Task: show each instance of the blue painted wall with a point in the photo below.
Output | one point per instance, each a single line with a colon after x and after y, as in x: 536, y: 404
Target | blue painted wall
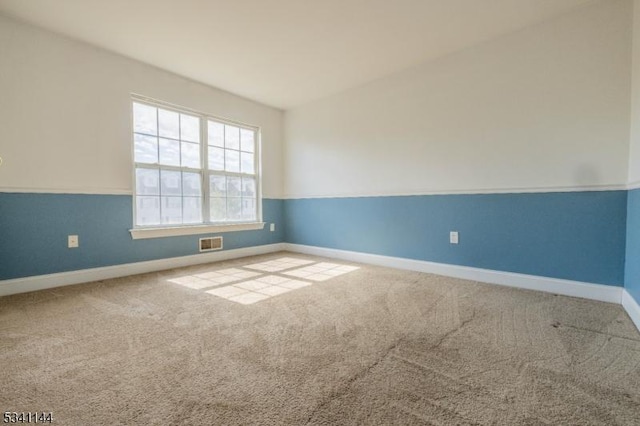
x: 574, y: 235
x: 34, y: 229
x: 632, y: 264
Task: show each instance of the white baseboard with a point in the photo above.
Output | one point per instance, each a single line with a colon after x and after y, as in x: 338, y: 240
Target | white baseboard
x: 632, y: 308
x: 604, y: 293
x: 41, y: 282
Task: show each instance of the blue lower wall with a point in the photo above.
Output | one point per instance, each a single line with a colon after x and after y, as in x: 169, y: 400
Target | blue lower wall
x: 34, y: 229
x: 572, y: 235
x: 632, y: 264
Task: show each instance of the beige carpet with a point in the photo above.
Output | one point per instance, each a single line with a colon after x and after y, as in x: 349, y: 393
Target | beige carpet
x: 366, y: 346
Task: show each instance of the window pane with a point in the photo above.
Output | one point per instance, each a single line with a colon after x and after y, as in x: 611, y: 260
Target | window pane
x: 215, y: 133
x: 189, y: 128
x: 170, y: 183
x: 147, y: 182
x: 233, y: 186
x: 232, y: 160
x: 147, y: 210
x: 234, y: 208
x: 146, y: 149
x: 248, y: 209
x: 217, y: 186
x: 216, y: 158
x: 246, y: 140
x: 169, y: 159
x: 231, y: 137
x: 218, y: 209
x: 171, y: 210
x: 145, y: 119
x: 191, y: 155
x: 247, y: 162
x: 191, y: 184
x: 169, y: 152
x: 192, y: 209
x: 169, y: 124
x: 248, y: 187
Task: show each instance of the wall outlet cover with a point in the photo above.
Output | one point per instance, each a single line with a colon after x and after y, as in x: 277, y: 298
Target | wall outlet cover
x: 72, y: 241
x: 453, y: 237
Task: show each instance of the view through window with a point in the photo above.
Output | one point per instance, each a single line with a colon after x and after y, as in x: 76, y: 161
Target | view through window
x: 193, y: 169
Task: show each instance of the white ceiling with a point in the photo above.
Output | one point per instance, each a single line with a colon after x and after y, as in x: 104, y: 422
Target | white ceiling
x: 285, y: 52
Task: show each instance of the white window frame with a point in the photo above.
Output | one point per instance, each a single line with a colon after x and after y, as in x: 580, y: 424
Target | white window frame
x: 157, y: 231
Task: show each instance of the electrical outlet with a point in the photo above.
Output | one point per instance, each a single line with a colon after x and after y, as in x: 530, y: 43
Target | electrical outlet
x: 453, y: 237
x: 272, y: 227
x: 72, y: 241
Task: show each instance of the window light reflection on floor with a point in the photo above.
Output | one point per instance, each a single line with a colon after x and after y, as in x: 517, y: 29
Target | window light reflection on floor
x: 279, y: 264
x: 248, y: 287
x: 321, y: 271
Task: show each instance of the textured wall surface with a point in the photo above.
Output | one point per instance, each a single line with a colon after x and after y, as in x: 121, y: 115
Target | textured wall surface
x: 632, y: 264
x: 577, y: 236
x: 34, y: 229
x: 541, y: 109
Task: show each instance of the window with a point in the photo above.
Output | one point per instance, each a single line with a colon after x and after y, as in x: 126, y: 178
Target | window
x: 192, y: 169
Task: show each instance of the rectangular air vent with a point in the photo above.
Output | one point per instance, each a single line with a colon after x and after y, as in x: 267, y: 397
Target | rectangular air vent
x: 210, y: 243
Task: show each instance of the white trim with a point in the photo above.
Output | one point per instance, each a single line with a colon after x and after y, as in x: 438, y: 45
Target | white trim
x: 604, y: 293
x: 175, y: 231
x: 41, y: 282
x: 515, y: 190
x: 89, y: 191
x: 632, y: 308
x: 633, y: 185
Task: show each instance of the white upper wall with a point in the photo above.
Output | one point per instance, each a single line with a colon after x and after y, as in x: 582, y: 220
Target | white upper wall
x: 65, y: 114
x: 283, y: 52
x: 541, y: 109
x: 634, y: 149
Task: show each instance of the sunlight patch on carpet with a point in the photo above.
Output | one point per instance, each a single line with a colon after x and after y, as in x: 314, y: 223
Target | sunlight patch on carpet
x: 279, y: 264
x: 248, y: 287
x: 321, y: 271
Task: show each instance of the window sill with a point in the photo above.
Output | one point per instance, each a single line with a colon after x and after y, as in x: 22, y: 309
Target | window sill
x: 143, y: 233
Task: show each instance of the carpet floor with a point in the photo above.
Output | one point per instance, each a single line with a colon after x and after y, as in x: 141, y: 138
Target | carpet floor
x: 288, y: 339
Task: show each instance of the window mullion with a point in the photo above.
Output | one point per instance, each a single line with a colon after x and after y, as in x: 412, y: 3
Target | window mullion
x: 204, y: 152
x: 179, y: 162
x: 256, y: 181
x: 238, y: 174
x: 163, y: 167
x: 159, y: 169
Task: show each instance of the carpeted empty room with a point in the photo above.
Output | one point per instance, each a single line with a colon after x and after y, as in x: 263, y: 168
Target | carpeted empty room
x: 339, y: 212
x: 373, y: 345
